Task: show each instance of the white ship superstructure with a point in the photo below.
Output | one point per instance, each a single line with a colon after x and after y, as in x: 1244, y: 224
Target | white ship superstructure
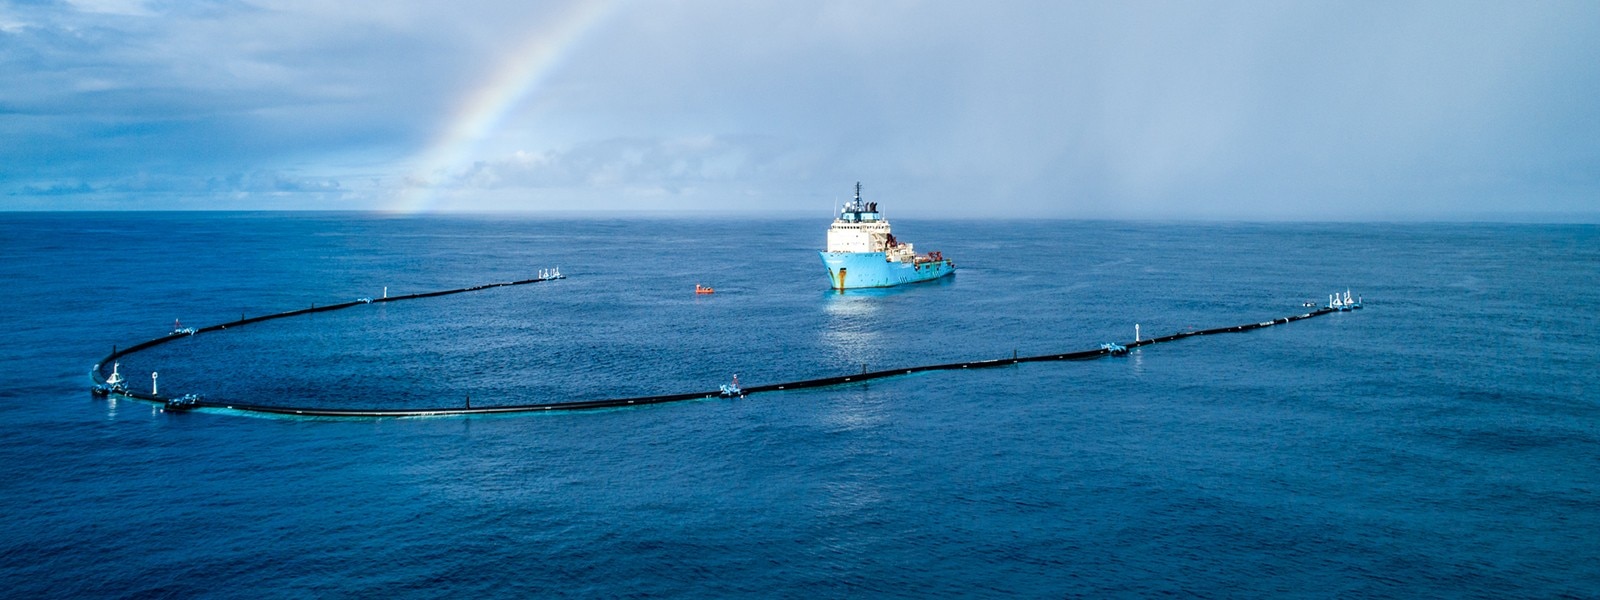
x: 861, y: 228
x: 862, y: 252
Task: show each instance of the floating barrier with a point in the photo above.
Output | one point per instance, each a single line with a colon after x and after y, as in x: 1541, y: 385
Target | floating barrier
x: 114, y: 385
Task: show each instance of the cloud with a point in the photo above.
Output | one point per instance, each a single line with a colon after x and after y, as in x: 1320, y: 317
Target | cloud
x: 112, y: 7
x: 654, y: 162
x: 1142, y: 109
x: 242, y: 190
x: 246, y: 83
x: 734, y: 172
x: 56, y: 189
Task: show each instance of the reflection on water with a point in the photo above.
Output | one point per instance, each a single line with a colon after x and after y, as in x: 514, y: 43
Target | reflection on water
x: 856, y: 319
x: 853, y: 335
x: 849, y: 331
x: 852, y: 303
x: 855, y: 411
x: 849, y: 499
x: 855, y: 422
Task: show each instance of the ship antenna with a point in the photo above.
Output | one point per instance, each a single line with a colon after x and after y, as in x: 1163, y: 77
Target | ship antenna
x: 858, y: 191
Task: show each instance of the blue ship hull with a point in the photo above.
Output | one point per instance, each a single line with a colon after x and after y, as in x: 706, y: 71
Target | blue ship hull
x: 856, y: 270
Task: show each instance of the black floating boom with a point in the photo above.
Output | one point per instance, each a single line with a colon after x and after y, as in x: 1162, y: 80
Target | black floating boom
x: 99, y: 375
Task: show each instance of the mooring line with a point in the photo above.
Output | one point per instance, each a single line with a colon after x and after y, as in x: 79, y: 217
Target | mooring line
x: 104, y: 386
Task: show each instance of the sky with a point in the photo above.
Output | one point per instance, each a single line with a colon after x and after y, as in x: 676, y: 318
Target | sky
x: 1265, y: 110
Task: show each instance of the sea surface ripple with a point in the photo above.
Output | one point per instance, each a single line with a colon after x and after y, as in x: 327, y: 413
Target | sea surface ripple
x: 1441, y: 443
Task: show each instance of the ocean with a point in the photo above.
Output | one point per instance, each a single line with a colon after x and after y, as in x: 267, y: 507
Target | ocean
x: 1442, y: 442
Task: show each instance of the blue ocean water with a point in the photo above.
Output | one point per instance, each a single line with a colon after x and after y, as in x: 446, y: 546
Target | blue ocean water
x: 1443, y: 442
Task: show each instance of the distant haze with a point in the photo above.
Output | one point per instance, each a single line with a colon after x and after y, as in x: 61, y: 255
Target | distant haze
x: 1152, y: 110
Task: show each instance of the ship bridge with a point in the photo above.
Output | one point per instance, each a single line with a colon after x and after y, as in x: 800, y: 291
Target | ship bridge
x: 861, y: 228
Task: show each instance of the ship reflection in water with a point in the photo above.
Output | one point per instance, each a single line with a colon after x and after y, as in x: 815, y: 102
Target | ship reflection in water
x: 849, y: 332
x: 855, y: 342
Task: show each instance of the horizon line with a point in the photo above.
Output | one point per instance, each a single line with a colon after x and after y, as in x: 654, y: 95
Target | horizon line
x: 1507, y: 218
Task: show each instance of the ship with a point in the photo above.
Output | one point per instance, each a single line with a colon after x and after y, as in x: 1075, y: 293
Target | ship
x: 862, y: 253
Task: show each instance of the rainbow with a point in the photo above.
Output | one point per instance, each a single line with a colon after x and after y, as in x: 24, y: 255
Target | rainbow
x: 484, y: 108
